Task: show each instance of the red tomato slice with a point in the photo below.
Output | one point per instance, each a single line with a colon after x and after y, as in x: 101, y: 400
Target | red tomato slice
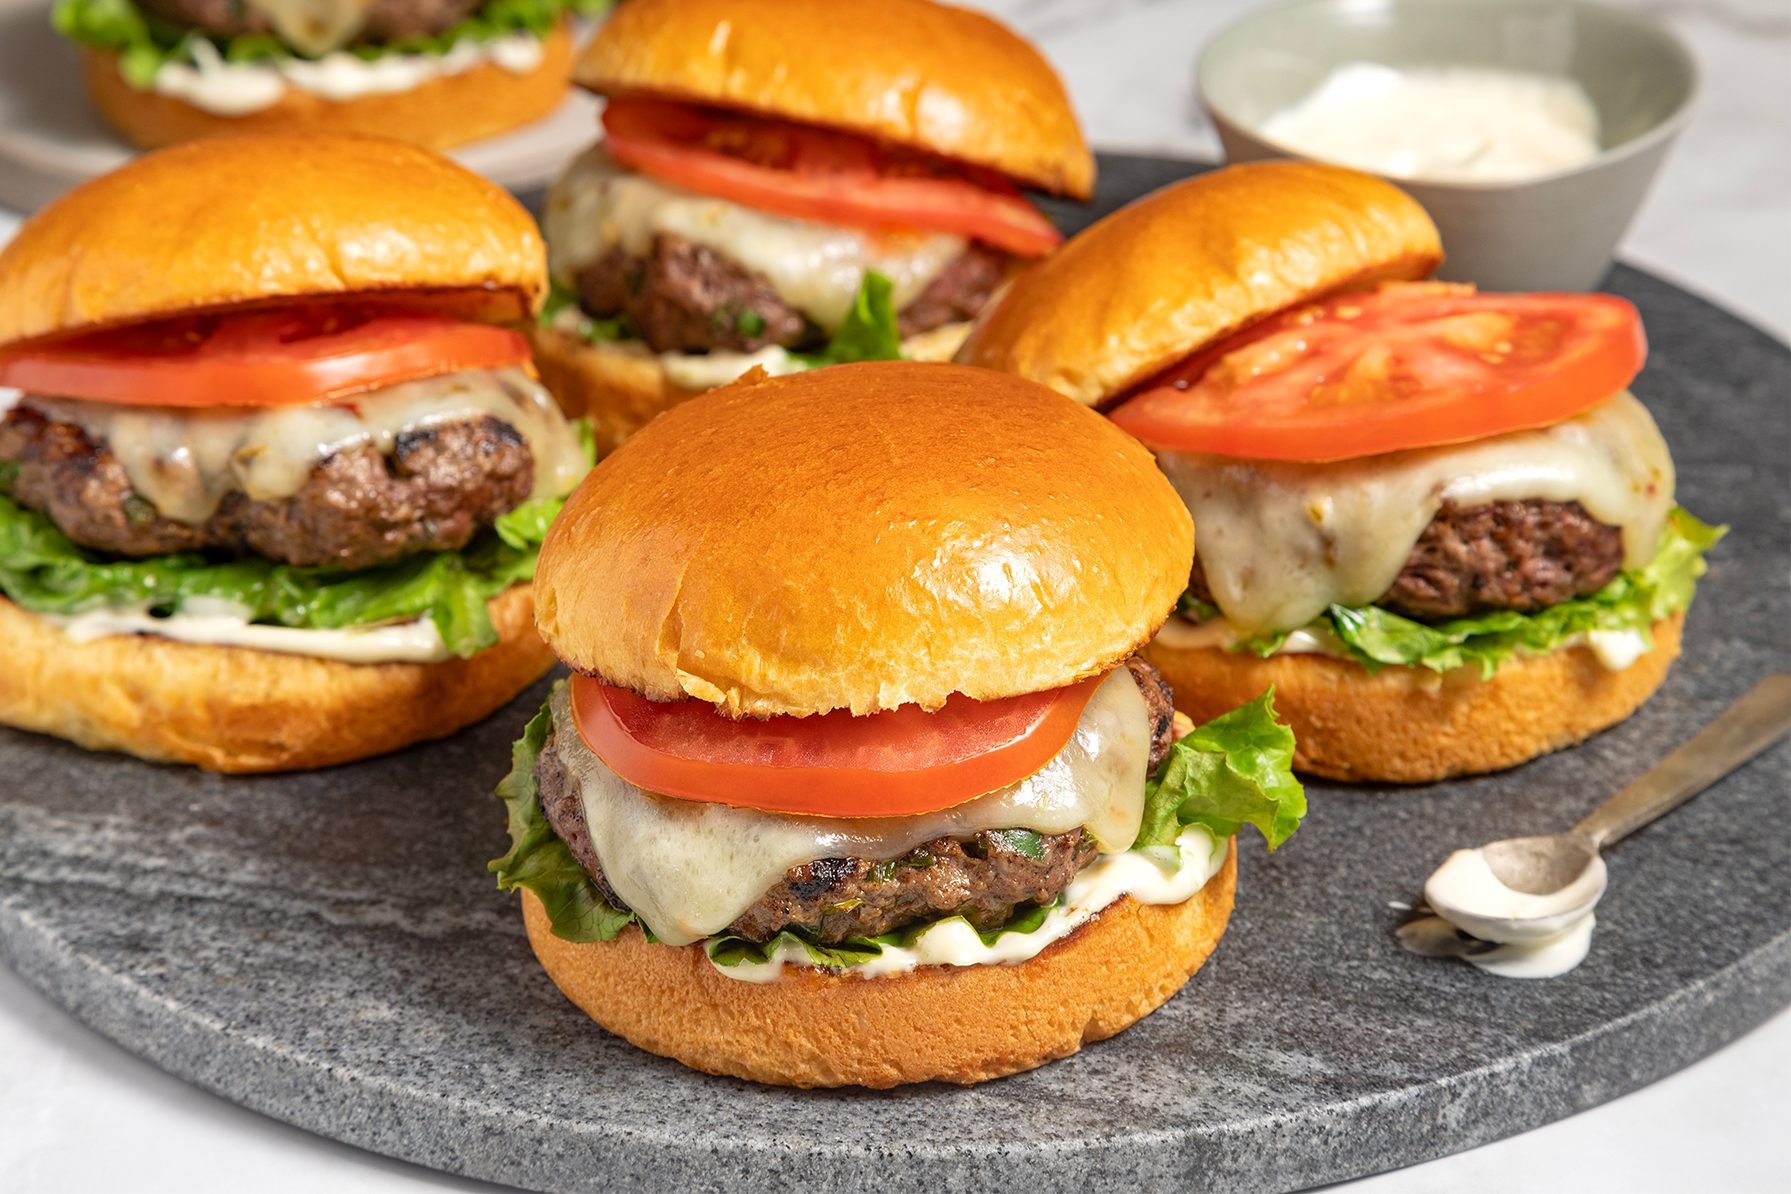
x: 888, y: 764
x: 819, y: 174
x: 305, y: 353
x: 1406, y: 366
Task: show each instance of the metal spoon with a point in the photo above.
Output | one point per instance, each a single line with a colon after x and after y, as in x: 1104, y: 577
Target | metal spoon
x: 1554, y: 881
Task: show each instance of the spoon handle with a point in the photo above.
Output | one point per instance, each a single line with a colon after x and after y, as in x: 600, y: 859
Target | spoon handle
x: 1742, y: 731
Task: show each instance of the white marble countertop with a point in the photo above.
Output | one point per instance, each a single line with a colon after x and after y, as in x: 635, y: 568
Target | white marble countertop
x: 78, y: 1113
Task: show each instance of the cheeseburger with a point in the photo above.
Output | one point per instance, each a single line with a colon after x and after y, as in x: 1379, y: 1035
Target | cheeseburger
x: 859, y: 779
x: 1435, y: 521
x: 434, y: 72
x: 273, y: 469
x: 788, y: 183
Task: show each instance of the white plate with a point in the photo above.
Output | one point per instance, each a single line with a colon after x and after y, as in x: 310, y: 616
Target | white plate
x: 51, y: 140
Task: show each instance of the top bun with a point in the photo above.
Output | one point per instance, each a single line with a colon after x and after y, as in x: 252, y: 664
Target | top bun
x: 862, y: 537
x: 244, y: 219
x: 909, y: 72
x: 1193, y: 262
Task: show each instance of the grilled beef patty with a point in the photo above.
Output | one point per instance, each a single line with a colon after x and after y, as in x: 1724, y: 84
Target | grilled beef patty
x: 985, y: 877
x: 439, y: 486
x: 1502, y: 555
x: 387, y: 20
x: 685, y: 297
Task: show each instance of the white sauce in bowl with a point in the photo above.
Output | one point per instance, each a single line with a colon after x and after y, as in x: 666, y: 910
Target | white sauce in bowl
x: 1442, y: 124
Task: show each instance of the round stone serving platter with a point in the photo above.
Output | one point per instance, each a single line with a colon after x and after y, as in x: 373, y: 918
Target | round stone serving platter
x: 329, y: 949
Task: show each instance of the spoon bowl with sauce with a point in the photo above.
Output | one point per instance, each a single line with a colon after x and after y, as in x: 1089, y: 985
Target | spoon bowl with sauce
x: 1525, y: 903
x: 1530, y: 130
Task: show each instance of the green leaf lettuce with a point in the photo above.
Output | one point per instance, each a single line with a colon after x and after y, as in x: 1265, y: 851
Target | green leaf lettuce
x: 44, y: 571
x: 1235, y: 770
x: 145, y: 42
x: 539, y: 861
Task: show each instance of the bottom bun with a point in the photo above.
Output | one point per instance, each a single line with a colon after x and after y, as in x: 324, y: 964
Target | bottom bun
x: 959, y: 1024
x: 236, y: 709
x: 438, y: 113
x: 620, y: 387
x: 1412, y: 725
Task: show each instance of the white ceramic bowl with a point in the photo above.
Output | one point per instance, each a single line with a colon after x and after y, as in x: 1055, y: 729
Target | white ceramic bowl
x: 1555, y: 232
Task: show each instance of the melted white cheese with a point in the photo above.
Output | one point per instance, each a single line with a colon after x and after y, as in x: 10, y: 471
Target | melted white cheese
x: 239, y: 88
x: 313, y: 26
x: 597, y: 205
x: 1099, y: 886
x: 226, y: 625
x: 184, y: 460
x: 706, y: 370
x: 688, y: 869
x: 1280, y: 541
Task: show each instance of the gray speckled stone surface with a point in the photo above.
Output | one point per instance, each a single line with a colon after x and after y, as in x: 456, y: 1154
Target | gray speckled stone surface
x: 329, y: 950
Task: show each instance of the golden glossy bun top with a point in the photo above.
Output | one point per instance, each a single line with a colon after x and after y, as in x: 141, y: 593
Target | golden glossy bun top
x: 910, y: 72
x: 862, y: 537
x: 1193, y: 262
x: 254, y: 218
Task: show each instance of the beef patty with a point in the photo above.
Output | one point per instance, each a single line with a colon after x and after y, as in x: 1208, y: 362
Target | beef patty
x: 984, y: 878
x: 387, y: 20
x: 438, y: 487
x: 685, y: 297
x: 1522, y: 556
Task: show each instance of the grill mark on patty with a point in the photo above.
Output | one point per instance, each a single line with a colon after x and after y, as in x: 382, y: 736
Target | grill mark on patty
x: 685, y: 297
x: 1522, y: 556
x: 440, y: 486
x: 980, y: 877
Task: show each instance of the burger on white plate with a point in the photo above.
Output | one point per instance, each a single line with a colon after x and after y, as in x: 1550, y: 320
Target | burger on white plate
x: 435, y: 72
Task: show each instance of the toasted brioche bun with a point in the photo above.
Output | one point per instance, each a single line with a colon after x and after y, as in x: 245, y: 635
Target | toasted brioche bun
x: 1197, y: 260
x: 266, y: 219
x: 909, y: 72
x: 1413, y: 725
x: 235, y: 709
x: 862, y: 537
x: 619, y: 387
x: 959, y: 1024
x: 439, y: 113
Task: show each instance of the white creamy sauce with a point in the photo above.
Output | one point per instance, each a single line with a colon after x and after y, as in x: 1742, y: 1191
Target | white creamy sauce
x: 688, y: 868
x: 226, y: 625
x: 184, y: 460
x: 1614, y: 649
x: 1099, y: 886
x: 1280, y: 541
x: 1184, y: 635
x: 597, y: 206
x: 239, y: 88
x: 1617, y: 649
x: 1532, y: 935
x: 1450, y: 124
x: 707, y: 370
